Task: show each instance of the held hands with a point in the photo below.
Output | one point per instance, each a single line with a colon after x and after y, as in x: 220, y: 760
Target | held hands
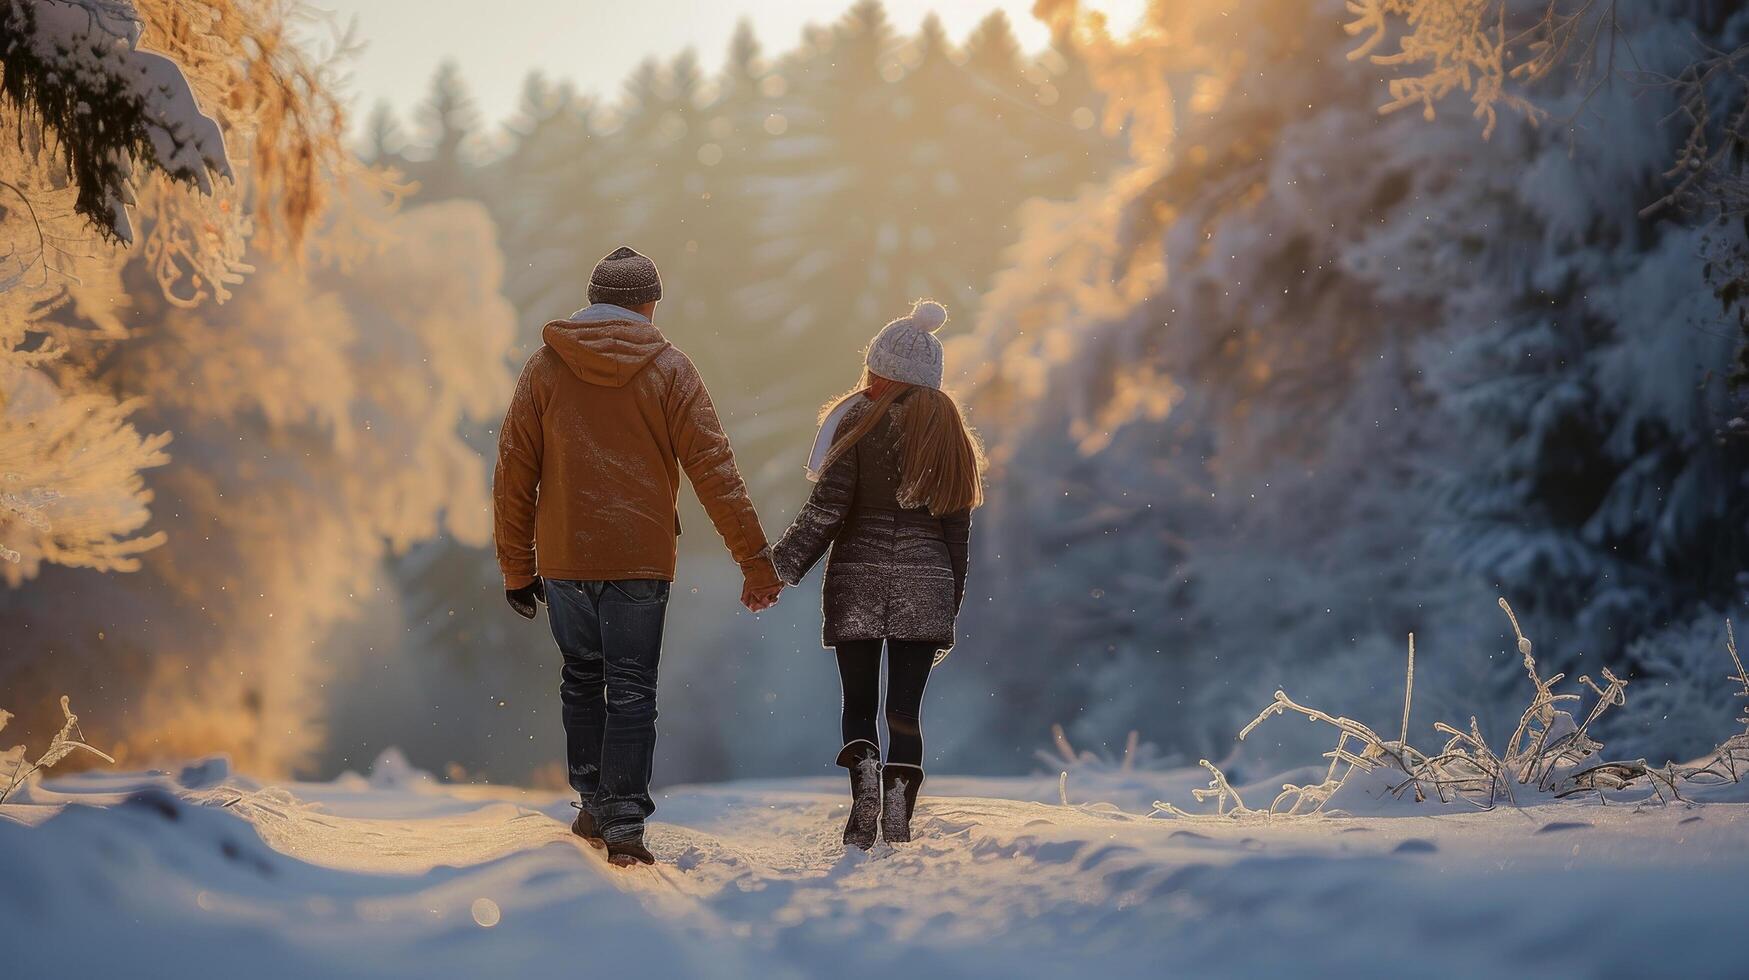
x: 760, y: 584
x: 759, y: 599
x: 523, y: 600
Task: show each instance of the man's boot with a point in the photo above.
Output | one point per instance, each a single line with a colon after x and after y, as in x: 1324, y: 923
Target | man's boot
x: 625, y: 853
x: 863, y: 759
x: 584, y: 827
x: 899, y: 785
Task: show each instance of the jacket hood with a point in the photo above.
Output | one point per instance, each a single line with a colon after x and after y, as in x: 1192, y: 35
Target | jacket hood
x: 605, y: 344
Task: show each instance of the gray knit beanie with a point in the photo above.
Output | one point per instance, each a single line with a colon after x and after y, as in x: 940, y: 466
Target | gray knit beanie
x: 625, y: 278
x: 906, y: 349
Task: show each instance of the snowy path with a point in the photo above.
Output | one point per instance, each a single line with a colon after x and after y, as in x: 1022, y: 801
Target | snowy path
x: 208, y: 875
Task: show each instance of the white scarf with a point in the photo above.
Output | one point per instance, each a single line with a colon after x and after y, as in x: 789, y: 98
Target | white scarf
x: 823, y: 438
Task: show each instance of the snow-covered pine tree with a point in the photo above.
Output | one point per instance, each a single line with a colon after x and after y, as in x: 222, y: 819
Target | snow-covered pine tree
x: 75, y: 75
x: 446, y: 151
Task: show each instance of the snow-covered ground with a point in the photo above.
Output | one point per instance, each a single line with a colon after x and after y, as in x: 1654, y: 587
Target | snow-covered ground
x: 203, y: 873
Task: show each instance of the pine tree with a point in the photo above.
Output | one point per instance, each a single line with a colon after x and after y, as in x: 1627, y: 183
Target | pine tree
x: 383, y: 139
x: 448, y: 136
x: 547, y: 202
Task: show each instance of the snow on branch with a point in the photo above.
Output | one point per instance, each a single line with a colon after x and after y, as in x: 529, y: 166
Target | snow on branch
x: 1482, y: 47
x: 75, y: 68
x: 1454, y: 45
x: 14, y: 771
x: 1550, y: 753
x: 1712, y: 113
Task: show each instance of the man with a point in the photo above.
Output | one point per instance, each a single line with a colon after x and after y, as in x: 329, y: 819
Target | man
x: 604, y: 416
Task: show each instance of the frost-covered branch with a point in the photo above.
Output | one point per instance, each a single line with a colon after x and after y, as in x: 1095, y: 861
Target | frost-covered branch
x: 70, y: 486
x: 1707, y: 175
x: 1495, y: 50
x: 1220, y: 791
x: 1549, y: 752
x: 1460, y: 46
x: 14, y: 771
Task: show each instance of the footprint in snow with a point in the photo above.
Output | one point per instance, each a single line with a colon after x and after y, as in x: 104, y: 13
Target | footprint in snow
x: 1099, y: 857
x: 1560, y: 825
x: 1186, y: 835
x: 1057, y: 852
x: 1415, y: 845
x: 1690, y: 820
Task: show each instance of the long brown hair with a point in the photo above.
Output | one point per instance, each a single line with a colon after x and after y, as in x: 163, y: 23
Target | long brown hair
x: 941, y: 460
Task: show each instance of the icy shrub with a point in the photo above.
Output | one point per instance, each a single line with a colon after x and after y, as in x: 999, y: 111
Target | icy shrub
x: 14, y: 771
x: 1550, y: 754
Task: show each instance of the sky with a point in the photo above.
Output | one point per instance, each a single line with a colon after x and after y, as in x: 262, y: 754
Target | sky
x: 596, y: 43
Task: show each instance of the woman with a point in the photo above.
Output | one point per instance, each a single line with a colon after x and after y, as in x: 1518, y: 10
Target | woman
x: 898, y: 474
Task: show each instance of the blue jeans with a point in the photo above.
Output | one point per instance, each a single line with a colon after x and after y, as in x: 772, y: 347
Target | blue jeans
x: 611, y: 636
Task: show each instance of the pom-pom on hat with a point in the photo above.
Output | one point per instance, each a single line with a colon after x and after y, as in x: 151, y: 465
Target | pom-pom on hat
x: 906, y: 349
x: 625, y: 277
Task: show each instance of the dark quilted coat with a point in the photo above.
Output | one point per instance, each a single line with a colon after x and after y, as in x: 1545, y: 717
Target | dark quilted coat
x: 893, y: 572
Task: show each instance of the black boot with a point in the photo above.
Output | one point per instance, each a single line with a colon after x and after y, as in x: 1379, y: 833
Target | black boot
x: 584, y: 827
x: 899, y: 785
x: 625, y: 853
x: 863, y: 759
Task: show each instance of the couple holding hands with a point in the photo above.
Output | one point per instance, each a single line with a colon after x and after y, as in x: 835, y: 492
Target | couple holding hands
x: 605, y: 417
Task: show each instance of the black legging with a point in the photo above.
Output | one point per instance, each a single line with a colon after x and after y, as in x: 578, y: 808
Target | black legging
x: 859, y: 671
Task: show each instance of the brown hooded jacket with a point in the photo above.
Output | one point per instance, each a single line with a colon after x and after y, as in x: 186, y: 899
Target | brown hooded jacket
x: 604, y: 416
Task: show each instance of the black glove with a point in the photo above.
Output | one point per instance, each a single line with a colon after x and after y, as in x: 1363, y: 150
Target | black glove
x: 523, y: 600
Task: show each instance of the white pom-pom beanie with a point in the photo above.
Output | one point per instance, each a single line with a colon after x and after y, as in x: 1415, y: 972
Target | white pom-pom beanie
x: 906, y: 349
